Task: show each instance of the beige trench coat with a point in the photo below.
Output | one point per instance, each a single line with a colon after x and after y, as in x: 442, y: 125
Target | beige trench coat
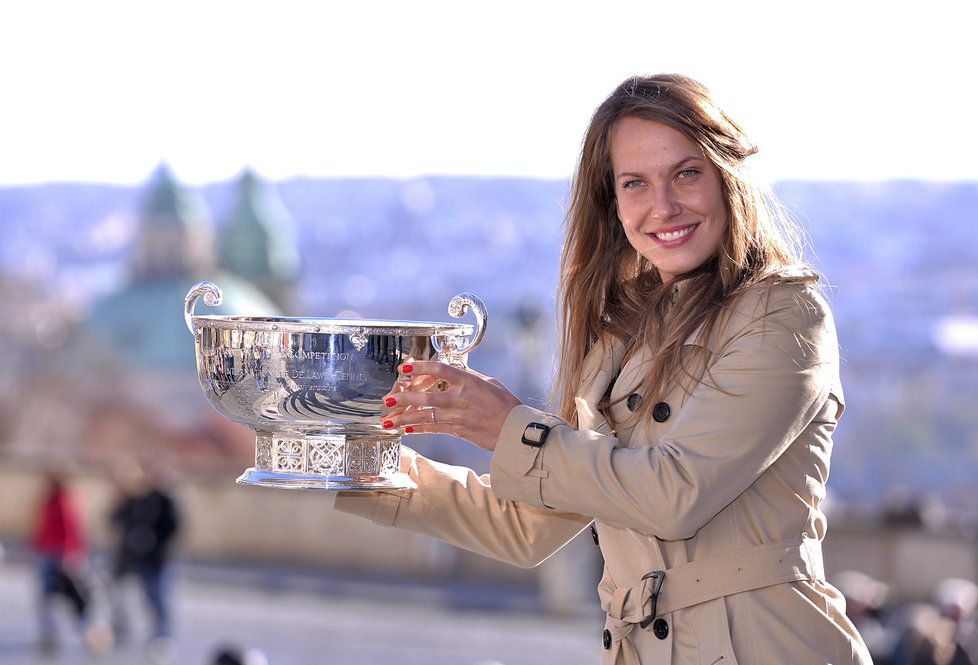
x: 718, y: 495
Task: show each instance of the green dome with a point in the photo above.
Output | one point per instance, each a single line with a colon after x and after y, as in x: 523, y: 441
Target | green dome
x: 143, y: 325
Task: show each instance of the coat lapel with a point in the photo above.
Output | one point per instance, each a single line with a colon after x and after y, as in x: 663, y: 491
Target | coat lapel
x: 600, y: 366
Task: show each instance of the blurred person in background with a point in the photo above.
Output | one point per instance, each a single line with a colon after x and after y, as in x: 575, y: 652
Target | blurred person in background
x: 927, y: 637
x: 698, y: 388
x: 146, y: 521
x: 957, y: 601
x: 60, y: 546
x: 866, y: 600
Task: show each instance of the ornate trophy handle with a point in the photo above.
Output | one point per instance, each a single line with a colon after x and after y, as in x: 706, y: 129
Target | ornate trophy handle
x: 457, y: 308
x: 212, y: 297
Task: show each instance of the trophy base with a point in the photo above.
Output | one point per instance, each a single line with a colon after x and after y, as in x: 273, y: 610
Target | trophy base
x: 348, y: 460
x: 262, y: 478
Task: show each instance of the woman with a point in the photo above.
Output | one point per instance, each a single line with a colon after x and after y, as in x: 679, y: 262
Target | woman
x: 698, y: 392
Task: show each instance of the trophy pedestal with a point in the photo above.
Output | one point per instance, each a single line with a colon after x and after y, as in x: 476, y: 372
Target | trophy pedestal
x: 327, y: 461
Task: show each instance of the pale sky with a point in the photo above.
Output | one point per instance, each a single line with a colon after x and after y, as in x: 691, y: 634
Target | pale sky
x: 103, y: 91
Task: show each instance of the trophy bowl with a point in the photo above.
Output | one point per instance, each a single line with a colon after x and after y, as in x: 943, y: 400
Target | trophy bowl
x: 311, y: 389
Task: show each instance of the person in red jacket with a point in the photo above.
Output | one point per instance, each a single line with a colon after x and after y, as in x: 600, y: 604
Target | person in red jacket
x: 61, y: 549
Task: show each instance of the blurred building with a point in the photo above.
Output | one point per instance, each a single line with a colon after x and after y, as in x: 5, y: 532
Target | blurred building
x: 258, y: 243
x: 123, y: 380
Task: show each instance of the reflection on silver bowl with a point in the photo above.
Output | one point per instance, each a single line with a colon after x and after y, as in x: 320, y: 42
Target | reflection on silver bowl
x: 312, y: 388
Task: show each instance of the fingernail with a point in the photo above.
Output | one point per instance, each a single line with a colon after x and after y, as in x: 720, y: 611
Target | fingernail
x: 407, y: 369
x: 388, y: 424
x: 390, y: 401
x: 409, y: 429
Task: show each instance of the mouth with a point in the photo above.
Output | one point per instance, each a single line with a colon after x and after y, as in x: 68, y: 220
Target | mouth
x: 674, y: 235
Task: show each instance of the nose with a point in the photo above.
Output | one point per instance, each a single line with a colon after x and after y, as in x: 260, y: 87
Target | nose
x: 665, y: 205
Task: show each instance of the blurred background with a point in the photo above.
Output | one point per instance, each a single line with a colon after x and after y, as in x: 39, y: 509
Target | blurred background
x: 316, y: 160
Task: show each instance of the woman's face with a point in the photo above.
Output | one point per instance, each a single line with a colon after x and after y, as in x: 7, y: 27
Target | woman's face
x: 669, y: 196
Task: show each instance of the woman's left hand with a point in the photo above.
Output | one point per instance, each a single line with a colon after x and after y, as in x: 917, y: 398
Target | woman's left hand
x: 471, y: 406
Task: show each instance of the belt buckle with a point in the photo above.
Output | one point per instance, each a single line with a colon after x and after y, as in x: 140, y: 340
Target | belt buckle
x: 657, y: 577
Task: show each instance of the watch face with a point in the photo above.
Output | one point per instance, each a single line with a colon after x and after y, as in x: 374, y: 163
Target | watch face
x: 535, y: 434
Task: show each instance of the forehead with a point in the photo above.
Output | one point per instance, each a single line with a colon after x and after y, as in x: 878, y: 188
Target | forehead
x: 638, y: 144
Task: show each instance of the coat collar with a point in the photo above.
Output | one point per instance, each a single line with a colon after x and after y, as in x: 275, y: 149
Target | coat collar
x: 603, y: 362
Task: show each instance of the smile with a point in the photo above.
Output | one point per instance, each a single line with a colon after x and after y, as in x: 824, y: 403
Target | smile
x: 673, y: 235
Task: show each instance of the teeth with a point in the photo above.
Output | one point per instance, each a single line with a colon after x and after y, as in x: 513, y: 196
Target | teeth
x: 675, y: 235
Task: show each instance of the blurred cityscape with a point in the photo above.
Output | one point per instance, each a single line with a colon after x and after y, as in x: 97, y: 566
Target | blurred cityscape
x: 99, y: 366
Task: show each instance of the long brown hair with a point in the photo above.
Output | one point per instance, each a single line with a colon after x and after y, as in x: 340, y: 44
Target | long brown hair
x: 607, y: 288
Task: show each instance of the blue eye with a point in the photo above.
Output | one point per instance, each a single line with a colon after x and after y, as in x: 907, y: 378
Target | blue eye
x: 688, y: 173
x: 631, y: 184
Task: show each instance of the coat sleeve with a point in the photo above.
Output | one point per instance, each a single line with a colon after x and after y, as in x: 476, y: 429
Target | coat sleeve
x: 456, y: 505
x: 774, y: 368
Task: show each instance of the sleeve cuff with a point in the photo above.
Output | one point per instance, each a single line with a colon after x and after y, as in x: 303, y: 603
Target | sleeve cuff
x: 516, y: 469
x: 379, y: 507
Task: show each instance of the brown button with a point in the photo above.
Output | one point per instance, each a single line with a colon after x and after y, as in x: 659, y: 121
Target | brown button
x: 606, y: 639
x: 634, y: 402
x: 661, y: 412
x: 660, y: 629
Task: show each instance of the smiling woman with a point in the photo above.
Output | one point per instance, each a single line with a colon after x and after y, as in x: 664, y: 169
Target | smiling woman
x: 669, y: 196
x: 698, y: 389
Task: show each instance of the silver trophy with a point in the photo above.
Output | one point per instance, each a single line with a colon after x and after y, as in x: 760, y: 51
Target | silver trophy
x: 312, y: 388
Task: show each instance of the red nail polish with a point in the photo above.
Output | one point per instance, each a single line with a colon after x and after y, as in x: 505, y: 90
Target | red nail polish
x: 407, y: 369
x: 388, y: 424
x: 409, y: 429
x: 390, y: 401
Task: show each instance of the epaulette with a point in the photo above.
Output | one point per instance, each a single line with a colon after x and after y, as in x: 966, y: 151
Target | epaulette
x: 795, y: 274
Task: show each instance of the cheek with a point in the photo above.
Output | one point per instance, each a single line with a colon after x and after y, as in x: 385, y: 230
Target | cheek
x: 714, y: 207
x: 720, y: 231
x: 626, y: 214
x: 718, y: 203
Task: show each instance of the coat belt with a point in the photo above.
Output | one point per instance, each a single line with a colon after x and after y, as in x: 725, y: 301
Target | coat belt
x: 702, y: 580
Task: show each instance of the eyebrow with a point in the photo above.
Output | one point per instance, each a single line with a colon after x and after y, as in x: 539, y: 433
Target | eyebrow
x: 681, y: 162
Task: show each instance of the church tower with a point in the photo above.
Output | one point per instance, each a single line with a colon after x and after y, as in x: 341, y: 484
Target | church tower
x: 176, y: 236
x: 258, y: 242
x: 143, y: 322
